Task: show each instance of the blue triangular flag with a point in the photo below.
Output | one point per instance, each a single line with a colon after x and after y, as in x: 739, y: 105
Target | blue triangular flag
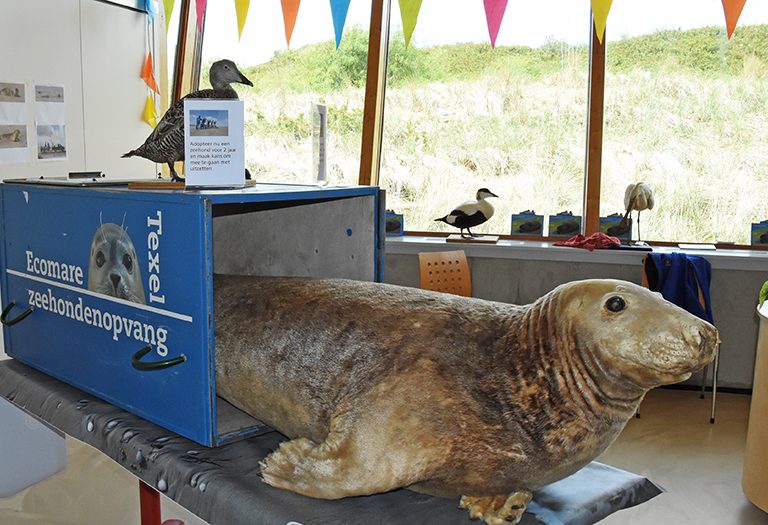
x: 339, y: 9
x: 149, y: 6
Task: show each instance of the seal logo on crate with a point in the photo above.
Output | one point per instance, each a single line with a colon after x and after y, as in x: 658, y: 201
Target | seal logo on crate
x: 112, y: 266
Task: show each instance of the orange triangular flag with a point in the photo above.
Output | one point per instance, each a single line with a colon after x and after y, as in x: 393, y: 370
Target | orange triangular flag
x: 732, y: 10
x: 148, y: 73
x: 290, y: 11
x: 241, y: 8
x: 600, y: 9
x: 150, y: 114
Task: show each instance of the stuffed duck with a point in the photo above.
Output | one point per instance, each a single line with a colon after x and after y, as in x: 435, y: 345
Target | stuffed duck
x: 471, y: 213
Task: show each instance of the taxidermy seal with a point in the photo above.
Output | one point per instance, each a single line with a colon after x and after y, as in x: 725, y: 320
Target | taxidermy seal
x: 112, y: 266
x: 381, y: 386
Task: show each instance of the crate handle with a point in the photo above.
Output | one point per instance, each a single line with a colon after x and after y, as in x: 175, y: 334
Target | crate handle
x: 4, y: 317
x: 138, y: 364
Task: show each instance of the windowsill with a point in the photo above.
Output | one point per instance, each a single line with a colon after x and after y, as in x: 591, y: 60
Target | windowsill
x: 540, y: 250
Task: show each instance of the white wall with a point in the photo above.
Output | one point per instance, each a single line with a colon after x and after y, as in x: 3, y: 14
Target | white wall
x: 96, y: 51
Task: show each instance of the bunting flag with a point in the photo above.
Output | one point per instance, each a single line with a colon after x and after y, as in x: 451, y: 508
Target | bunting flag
x: 200, y: 6
x: 732, y: 10
x: 149, y: 7
x: 494, y: 13
x: 168, y: 7
x: 600, y: 10
x: 409, y: 12
x: 339, y: 9
x: 290, y: 11
x: 148, y: 73
x: 241, y: 6
x: 150, y: 114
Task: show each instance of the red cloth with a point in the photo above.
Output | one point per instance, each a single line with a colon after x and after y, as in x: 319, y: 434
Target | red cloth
x: 593, y: 242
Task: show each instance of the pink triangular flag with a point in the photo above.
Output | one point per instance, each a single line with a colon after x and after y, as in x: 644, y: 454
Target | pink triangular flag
x: 200, y: 6
x: 290, y: 11
x: 494, y: 13
x: 733, y: 9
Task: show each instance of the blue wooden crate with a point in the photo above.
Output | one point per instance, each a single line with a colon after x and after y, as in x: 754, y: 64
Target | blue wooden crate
x: 171, y: 242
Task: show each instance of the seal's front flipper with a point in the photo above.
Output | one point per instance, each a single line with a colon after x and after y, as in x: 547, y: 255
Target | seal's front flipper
x: 497, y: 510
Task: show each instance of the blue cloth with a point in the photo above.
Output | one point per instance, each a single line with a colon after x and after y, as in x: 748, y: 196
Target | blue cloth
x: 679, y: 277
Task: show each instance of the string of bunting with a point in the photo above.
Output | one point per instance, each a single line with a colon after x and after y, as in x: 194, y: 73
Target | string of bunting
x: 409, y: 12
x: 149, y: 114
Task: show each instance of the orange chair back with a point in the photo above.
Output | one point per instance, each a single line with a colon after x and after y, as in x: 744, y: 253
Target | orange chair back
x: 445, y: 272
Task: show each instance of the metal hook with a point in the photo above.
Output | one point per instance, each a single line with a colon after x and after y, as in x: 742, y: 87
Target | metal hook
x: 138, y: 364
x: 7, y: 310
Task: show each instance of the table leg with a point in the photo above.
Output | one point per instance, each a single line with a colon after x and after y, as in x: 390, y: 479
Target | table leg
x: 149, y: 501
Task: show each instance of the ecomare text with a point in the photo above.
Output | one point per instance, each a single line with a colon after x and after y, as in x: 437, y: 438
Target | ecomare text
x: 54, y: 269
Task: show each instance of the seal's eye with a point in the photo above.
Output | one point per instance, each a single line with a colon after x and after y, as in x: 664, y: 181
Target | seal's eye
x: 100, y: 259
x: 128, y: 262
x: 615, y: 304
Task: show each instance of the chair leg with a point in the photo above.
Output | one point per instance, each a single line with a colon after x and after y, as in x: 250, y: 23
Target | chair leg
x: 704, y: 374
x: 714, y: 382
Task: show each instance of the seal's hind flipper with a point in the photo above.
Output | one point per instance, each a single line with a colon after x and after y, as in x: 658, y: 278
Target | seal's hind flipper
x: 497, y: 510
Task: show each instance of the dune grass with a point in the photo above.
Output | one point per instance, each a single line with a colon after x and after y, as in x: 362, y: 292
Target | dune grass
x: 686, y: 111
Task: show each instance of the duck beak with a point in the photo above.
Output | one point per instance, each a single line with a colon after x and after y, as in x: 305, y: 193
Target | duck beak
x: 244, y: 80
x: 493, y: 194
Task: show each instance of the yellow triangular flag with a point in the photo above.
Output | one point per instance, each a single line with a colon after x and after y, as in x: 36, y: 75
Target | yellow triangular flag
x: 168, y: 6
x: 600, y: 9
x: 409, y: 12
x: 241, y: 6
x: 150, y: 114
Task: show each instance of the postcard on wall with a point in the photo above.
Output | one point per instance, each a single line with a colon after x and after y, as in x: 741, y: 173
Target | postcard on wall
x: 213, y: 143
x: 14, y: 143
x: 50, y: 120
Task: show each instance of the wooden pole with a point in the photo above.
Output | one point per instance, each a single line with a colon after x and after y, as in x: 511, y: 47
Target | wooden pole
x: 181, y: 46
x: 595, y: 114
x: 378, y: 45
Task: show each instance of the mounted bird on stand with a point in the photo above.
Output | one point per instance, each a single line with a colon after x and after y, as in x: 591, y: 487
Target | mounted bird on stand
x: 471, y: 213
x: 637, y: 197
x: 166, y: 142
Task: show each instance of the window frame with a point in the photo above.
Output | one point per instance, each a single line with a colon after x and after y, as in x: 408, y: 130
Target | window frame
x: 189, y: 48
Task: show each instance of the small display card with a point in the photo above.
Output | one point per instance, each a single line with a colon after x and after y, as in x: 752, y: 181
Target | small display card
x: 213, y: 143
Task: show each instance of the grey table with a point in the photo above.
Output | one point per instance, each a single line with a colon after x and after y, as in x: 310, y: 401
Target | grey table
x: 222, y: 485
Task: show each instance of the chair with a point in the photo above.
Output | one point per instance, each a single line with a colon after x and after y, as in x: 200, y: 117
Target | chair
x: 445, y: 272
x: 696, y: 273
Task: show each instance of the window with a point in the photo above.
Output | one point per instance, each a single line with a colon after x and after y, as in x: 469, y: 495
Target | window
x: 278, y: 139
x: 686, y: 110
x: 459, y: 115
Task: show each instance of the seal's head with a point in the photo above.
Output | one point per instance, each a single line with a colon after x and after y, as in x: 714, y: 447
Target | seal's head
x: 635, y: 334
x: 113, y: 268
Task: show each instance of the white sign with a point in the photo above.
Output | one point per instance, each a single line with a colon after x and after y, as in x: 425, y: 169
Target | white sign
x: 213, y: 143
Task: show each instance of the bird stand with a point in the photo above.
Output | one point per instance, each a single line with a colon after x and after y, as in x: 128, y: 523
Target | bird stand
x: 482, y: 239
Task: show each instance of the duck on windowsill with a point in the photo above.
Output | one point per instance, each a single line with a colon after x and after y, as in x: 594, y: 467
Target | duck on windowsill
x: 471, y: 213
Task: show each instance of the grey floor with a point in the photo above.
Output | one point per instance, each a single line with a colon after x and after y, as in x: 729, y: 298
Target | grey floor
x: 673, y: 444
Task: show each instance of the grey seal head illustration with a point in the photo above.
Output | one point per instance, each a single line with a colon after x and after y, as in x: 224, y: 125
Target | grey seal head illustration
x: 113, y: 268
